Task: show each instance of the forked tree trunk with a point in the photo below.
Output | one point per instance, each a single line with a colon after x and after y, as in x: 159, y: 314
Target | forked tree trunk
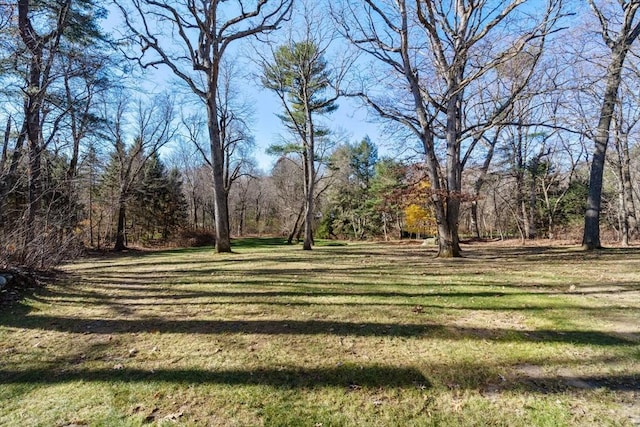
x: 296, y: 225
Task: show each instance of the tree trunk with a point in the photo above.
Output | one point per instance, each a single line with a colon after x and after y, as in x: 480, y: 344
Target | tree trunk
x: 39, y: 72
x: 474, y: 219
x: 243, y: 209
x: 91, y: 185
x: 384, y: 227
x: 310, y: 178
x: 477, y: 187
x: 5, y: 144
x: 449, y: 243
x: 591, y: 237
x: 258, y: 216
x: 523, y: 217
x: 448, y: 246
x: 33, y: 104
x: 630, y: 208
x: 120, y: 231
x: 626, y: 188
x: 533, y: 232
x: 195, y: 213
x: 4, y: 177
x: 308, y: 223
x: 220, y: 199
x: 296, y: 225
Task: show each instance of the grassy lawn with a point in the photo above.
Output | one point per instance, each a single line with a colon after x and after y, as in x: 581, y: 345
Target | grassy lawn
x: 358, y: 334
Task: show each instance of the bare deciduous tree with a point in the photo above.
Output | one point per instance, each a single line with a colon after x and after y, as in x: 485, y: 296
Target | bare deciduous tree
x: 435, y: 52
x: 154, y: 128
x: 619, y: 33
x: 191, y: 37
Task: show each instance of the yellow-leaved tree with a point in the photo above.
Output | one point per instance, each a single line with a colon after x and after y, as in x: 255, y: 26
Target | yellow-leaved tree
x: 418, y: 213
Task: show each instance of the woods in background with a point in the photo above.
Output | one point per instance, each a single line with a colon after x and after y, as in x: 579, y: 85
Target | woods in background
x: 487, y: 125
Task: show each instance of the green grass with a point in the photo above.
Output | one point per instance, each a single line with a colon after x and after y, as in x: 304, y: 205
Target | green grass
x: 358, y: 334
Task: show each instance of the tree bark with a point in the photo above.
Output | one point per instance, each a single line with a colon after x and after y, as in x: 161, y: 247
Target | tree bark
x: 591, y: 237
x: 450, y: 246
x: 477, y: 187
x: 627, y: 185
x: 4, y: 177
x: 296, y: 225
x: 221, y: 203
x: 533, y: 194
x: 120, y: 231
x: 310, y: 178
x: 625, y: 190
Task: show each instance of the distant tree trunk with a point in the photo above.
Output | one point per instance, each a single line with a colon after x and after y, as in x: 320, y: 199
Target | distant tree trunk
x: 120, y: 231
x: 533, y: 198
x: 258, y: 216
x: 296, y: 225
x: 5, y: 144
x: 477, y: 187
x: 241, y: 217
x: 384, y: 227
x: 195, y: 212
x: 33, y: 104
x: 522, y: 217
x: 630, y: 208
x: 5, y: 177
x: 91, y: 212
x: 627, y: 215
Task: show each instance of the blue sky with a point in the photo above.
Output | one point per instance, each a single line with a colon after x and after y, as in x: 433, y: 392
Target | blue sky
x: 350, y: 119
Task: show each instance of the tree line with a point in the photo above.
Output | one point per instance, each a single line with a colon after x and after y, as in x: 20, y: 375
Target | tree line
x: 499, y: 115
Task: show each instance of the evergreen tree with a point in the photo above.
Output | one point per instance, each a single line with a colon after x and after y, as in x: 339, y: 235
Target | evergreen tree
x: 158, y: 207
x: 40, y: 40
x: 175, y: 205
x: 388, y: 188
x: 299, y: 75
x: 351, y: 212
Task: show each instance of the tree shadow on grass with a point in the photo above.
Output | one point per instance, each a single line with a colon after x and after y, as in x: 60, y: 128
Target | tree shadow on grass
x: 552, y: 384
x: 341, y: 376
x: 309, y: 327
x: 348, y: 376
x: 140, y: 295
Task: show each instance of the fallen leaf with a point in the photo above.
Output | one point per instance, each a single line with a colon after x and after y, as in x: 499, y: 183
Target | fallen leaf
x: 174, y: 416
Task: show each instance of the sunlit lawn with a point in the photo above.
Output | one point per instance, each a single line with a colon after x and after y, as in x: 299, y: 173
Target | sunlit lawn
x: 359, y: 334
